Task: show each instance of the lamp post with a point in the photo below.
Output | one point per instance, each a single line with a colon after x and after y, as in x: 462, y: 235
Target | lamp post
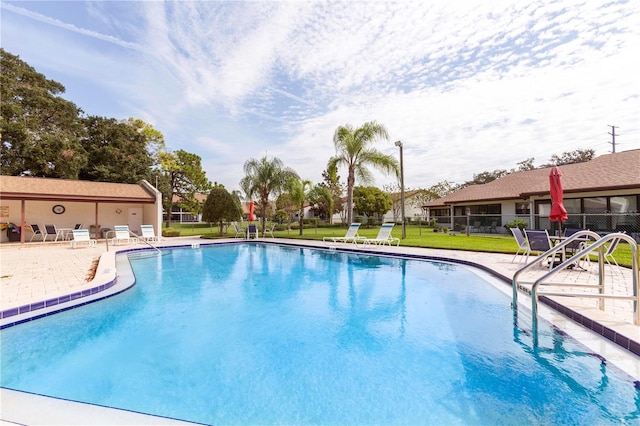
x: 404, y: 231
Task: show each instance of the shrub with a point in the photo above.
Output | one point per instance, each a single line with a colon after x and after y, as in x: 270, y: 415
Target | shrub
x: 170, y: 232
x: 517, y: 223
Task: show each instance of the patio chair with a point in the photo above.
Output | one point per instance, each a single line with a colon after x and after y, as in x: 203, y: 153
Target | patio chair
x: 350, y: 237
x: 148, y: 233
x: 82, y: 236
x: 384, y: 237
x: 123, y: 234
x: 608, y: 255
x: 51, y: 230
x: 37, y: 231
x: 269, y: 231
x: 523, y: 244
x: 252, y: 231
x: 539, y: 241
x: 240, y: 232
x: 575, y: 246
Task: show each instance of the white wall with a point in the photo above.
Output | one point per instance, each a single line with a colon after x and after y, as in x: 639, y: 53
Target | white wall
x: 109, y: 214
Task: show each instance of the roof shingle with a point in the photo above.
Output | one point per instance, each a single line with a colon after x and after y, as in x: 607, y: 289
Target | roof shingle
x: 34, y: 188
x: 607, y: 172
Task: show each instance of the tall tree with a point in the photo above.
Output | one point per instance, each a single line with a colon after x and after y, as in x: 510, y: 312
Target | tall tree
x: 285, y: 204
x: 321, y: 200
x: 117, y: 151
x: 336, y: 188
x: 571, y: 157
x: 40, y: 131
x: 185, y: 176
x: 220, y: 206
x: 526, y: 165
x: 298, y: 189
x: 486, y: 177
x: 443, y: 188
x: 371, y: 201
x: 264, y: 178
x: 354, y: 151
x: 154, y: 138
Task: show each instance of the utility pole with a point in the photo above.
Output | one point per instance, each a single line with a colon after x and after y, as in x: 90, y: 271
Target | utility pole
x: 404, y: 229
x: 613, y: 138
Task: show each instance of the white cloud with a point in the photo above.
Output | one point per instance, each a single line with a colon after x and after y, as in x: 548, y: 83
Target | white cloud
x: 468, y: 87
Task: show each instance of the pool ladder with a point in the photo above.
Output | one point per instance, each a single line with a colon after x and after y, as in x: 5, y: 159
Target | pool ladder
x: 596, y: 246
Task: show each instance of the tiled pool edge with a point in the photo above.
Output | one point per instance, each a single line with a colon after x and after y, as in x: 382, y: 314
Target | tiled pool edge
x: 105, y: 279
x: 106, y: 276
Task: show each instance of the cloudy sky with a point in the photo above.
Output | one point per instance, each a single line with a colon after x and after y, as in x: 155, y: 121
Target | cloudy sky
x: 467, y: 87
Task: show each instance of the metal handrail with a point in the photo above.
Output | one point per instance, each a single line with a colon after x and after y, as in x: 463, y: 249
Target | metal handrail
x: 598, y: 246
x: 145, y: 241
x: 135, y: 235
x: 552, y: 251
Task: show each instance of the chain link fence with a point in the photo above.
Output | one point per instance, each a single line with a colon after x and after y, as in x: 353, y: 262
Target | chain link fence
x: 603, y: 223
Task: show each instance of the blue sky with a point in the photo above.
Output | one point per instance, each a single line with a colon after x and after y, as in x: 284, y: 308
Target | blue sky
x: 467, y: 87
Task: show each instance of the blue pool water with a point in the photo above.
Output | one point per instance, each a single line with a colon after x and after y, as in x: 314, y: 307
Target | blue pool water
x: 265, y: 334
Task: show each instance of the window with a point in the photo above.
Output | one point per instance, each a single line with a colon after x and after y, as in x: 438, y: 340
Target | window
x: 439, y: 212
x: 573, y: 206
x: 595, y: 205
x: 523, y: 208
x: 626, y: 204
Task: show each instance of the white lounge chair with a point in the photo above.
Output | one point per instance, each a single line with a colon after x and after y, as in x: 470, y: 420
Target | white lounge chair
x: 384, y: 237
x: 82, y: 236
x: 350, y: 237
x: 148, y: 233
x: 123, y: 234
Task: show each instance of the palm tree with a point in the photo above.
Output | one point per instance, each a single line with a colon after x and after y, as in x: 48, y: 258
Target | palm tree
x: 298, y: 190
x: 263, y: 178
x: 353, y: 150
x: 322, y: 199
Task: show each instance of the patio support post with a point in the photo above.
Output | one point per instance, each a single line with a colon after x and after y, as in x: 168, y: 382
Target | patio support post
x: 23, y: 219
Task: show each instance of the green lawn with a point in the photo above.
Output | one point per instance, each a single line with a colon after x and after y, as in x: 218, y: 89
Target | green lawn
x: 416, y: 237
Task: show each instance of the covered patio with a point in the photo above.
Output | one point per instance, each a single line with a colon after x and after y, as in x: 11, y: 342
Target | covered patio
x: 97, y: 206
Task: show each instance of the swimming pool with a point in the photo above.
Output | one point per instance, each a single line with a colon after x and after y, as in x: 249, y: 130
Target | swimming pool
x: 255, y: 333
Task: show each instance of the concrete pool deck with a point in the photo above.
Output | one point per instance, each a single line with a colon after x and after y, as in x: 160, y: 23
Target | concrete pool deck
x: 36, y: 272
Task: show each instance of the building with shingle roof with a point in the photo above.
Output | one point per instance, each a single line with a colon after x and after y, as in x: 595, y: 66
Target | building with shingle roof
x: 602, y: 195
x: 65, y: 203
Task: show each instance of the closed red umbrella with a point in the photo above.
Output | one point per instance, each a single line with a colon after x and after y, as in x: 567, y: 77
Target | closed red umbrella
x: 251, y: 208
x: 558, y: 212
